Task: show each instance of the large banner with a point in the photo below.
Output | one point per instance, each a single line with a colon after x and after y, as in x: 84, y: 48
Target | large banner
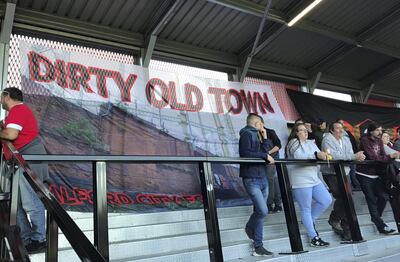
x: 90, y: 106
x: 356, y: 116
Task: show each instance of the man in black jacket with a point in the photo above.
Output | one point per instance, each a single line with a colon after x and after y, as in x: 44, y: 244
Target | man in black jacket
x: 253, y: 143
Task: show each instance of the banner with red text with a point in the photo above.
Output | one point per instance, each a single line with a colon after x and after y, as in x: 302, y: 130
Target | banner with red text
x: 91, y: 106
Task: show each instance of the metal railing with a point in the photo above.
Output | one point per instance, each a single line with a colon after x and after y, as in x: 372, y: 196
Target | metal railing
x: 58, y: 218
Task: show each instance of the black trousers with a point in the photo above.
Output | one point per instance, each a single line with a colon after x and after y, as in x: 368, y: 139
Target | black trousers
x: 376, y: 198
x: 338, y: 212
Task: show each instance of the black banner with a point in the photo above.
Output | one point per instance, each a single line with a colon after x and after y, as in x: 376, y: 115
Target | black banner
x: 356, y: 115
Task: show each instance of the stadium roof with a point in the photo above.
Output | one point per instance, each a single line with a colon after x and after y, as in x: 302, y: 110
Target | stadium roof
x: 340, y: 45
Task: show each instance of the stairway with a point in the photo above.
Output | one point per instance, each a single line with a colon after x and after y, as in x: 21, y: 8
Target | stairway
x: 180, y: 236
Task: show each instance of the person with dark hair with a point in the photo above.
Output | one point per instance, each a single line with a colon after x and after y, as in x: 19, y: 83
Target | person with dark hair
x: 21, y: 129
x: 310, y: 126
x: 339, y: 147
x: 387, y: 144
x: 354, y: 182
x: 319, y: 132
x: 396, y: 144
x: 306, y: 185
x: 372, y: 184
x: 274, y: 201
x: 253, y: 142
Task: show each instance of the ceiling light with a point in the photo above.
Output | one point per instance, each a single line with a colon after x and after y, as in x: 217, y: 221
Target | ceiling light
x: 304, y: 12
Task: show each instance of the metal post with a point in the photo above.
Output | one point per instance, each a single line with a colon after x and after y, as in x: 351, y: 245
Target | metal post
x: 210, y: 212
x: 15, y: 177
x: 394, y: 201
x: 290, y: 212
x: 345, y: 193
x: 100, y: 212
x: 52, y: 239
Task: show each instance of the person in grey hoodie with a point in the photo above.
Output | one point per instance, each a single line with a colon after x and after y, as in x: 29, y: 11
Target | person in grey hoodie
x: 339, y: 147
x: 253, y: 143
x: 306, y: 185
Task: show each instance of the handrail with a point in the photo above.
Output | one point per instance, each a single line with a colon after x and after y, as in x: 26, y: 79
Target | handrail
x: 173, y: 159
x: 80, y: 243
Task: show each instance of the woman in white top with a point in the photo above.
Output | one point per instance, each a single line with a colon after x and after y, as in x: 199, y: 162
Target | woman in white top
x: 306, y: 185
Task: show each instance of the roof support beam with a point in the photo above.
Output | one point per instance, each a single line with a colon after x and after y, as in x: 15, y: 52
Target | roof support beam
x: 255, y: 44
x: 375, y: 27
x: 338, y: 54
x: 5, y: 35
x: 312, y: 84
x: 252, y: 8
x: 160, y: 25
x: 7, y: 23
x: 366, y: 92
x: 257, y: 9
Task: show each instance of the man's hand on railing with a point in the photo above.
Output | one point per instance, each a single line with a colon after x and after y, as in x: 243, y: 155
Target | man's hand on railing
x: 395, y: 155
x: 359, y: 156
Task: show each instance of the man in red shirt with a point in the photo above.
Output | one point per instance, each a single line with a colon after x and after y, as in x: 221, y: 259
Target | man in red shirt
x: 21, y: 128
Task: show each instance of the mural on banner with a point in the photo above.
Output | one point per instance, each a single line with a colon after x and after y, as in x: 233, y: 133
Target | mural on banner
x: 89, y: 106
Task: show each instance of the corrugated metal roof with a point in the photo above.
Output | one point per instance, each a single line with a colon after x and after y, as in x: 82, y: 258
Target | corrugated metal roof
x: 302, y: 49
x: 359, y: 64
x: 389, y: 36
x: 350, y: 17
x: 211, y: 26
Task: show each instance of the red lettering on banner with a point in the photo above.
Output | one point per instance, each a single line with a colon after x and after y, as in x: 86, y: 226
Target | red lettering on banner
x: 78, y: 76
x: 151, y: 93
x: 191, y: 90
x: 35, y: 60
x: 173, y: 101
x: 80, y: 196
x: 101, y: 76
x: 125, y: 87
x: 61, y: 74
x: 75, y: 75
x: 250, y: 102
x: 264, y: 104
x: 228, y: 102
x: 218, y: 93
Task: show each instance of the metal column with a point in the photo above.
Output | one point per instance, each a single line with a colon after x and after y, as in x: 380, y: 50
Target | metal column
x: 100, y: 211
x: 52, y: 239
x: 210, y: 212
x: 290, y: 211
x: 345, y: 192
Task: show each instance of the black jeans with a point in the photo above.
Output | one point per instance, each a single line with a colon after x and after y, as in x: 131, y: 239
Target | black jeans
x: 274, y: 193
x: 338, y: 212
x: 376, y: 198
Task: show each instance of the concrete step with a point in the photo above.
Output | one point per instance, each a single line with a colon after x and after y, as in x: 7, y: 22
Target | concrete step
x: 276, y: 237
x: 116, y: 220
x: 365, y: 251
x: 224, y: 214
x: 231, y: 229
x: 314, y: 254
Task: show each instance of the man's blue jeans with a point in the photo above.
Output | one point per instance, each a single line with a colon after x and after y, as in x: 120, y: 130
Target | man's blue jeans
x: 257, y: 188
x: 30, y: 205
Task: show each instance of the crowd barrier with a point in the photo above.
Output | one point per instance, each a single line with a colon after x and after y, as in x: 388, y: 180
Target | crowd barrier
x: 99, y: 251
